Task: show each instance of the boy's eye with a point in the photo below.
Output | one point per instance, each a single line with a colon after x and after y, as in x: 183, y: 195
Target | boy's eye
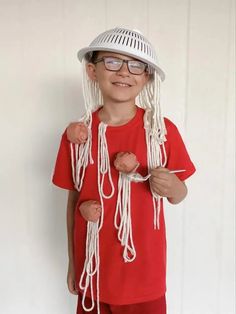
x: 113, y: 61
x: 136, y: 65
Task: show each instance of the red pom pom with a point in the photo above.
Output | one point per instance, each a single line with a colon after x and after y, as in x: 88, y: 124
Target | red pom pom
x: 77, y: 132
x: 126, y: 162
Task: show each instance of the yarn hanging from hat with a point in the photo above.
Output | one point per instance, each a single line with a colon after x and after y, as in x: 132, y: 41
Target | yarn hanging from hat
x: 149, y: 100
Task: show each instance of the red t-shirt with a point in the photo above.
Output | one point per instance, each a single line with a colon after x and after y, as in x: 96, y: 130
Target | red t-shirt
x: 144, y: 279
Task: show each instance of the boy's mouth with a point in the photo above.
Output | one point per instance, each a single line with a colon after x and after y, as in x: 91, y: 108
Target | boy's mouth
x: 121, y: 84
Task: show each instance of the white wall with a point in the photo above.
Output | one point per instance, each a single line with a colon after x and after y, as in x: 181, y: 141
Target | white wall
x: 40, y: 94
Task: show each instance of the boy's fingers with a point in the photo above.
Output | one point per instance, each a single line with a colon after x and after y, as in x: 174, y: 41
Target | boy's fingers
x: 71, y: 286
x: 159, y: 170
x: 160, y: 174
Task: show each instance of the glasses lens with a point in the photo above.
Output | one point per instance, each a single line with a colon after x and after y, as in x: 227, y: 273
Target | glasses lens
x: 136, y: 67
x: 112, y: 64
x: 115, y: 64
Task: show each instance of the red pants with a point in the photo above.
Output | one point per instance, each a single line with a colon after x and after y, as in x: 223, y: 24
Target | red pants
x: 152, y: 307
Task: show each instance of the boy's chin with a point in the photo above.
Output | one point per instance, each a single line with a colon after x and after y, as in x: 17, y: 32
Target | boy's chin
x: 123, y: 97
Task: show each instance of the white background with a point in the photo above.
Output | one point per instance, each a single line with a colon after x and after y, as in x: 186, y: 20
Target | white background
x: 40, y: 94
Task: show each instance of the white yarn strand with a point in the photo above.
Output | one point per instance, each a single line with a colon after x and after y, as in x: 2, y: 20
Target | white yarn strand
x: 122, y: 218
x: 80, y: 157
x: 92, y: 258
x: 104, y: 161
x: 91, y: 264
x: 92, y: 95
x: 155, y: 136
x: 82, y: 154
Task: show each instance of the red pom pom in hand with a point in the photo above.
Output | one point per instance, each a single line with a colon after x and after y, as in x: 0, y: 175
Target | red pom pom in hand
x: 126, y: 162
x: 77, y: 132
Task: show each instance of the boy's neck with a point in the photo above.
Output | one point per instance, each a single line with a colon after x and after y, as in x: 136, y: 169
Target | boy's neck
x: 117, y: 114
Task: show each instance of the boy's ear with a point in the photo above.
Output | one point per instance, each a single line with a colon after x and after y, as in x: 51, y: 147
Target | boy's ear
x: 149, y: 74
x: 90, y: 69
x: 147, y: 77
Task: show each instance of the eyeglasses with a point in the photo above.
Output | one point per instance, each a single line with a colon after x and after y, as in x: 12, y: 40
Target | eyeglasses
x: 115, y: 64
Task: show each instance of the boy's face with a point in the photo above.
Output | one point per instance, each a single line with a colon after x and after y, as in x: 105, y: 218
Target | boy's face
x: 117, y: 86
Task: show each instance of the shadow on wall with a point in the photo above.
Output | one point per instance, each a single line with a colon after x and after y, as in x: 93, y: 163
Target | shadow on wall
x: 59, y: 102
x: 69, y: 107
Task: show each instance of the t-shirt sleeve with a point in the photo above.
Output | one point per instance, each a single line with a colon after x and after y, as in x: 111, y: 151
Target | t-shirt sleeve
x: 62, y: 176
x: 177, y: 155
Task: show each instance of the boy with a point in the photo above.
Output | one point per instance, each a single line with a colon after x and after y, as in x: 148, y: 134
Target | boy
x: 116, y: 228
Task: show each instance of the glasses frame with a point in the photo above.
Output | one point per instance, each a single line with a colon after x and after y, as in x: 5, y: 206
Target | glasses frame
x: 102, y: 59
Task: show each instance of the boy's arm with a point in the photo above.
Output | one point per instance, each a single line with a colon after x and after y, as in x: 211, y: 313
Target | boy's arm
x: 168, y: 185
x: 71, y: 205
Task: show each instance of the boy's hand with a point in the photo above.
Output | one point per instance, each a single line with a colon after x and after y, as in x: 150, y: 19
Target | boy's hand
x: 77, y: 133
x: 71, y: 279
x: 168, y: 185
x: 90, y: 210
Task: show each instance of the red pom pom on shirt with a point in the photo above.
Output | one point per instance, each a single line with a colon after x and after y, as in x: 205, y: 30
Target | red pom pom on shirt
x: 77, y: 132
x: 126, y: 162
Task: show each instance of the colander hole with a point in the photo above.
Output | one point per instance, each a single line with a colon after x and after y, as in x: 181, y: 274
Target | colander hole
x: 117, y: 36
x: 131, y: 42
x: 112, y: 38
x: 127, y: 41
x: 105, y: 37
x: 99, y: 40
x: 109, y: 37
x: 144, y: 48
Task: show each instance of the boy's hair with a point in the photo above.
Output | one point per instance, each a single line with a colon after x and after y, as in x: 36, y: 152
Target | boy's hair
x: 92, y: 57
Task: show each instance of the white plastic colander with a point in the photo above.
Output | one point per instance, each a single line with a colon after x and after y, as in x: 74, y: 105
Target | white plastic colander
x: 129, y: 42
